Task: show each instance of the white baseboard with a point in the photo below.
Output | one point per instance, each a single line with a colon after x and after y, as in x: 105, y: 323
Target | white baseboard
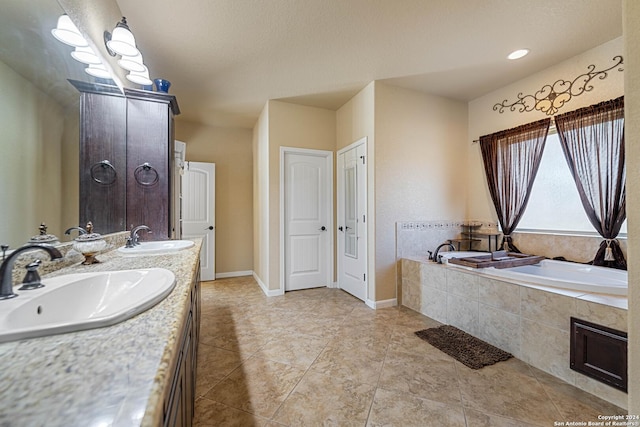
x: 382, y: 304
x: 234, y: 274
x: 267, y: 292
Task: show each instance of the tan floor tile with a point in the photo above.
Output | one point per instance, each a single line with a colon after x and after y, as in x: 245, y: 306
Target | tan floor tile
x: 574, y: 403
x: 324, y: 400
x: 245, y: 343
x: 395, y: 408
x: 213, y: 365
x: 214, y: 414
x: 258, y: 386
x: 425, y: 376
x: 361, y: 353
x: 508, y: 389
x: 294, y: 349
x: 357, y: 360
x: 479, y: 419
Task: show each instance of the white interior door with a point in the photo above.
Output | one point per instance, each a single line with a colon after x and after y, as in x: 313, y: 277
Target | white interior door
x: 307, y: 219
x: 199, y: 212
x: 352, y: 213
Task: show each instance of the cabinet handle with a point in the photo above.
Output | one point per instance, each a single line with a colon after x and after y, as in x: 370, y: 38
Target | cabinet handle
x: 104, y: 166
x: 142, y: 170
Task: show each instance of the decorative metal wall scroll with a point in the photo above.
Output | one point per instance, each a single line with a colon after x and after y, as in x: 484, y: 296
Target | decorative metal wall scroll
x: 552, y: 97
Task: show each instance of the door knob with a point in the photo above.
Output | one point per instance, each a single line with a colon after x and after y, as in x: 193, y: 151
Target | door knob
x: 209, y: 227
x: 323, y: 228
x: 340, y: 228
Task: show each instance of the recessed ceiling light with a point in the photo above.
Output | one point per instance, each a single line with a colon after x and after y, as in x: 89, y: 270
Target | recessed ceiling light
x: 517, y: 54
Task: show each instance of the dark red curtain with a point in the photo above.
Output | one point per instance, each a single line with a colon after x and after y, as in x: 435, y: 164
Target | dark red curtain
x: 592, y: 139
x: 511, y: 160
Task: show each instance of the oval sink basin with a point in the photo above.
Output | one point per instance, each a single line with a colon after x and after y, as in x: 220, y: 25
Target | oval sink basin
x: 157, y: 247
x: 83, y: 301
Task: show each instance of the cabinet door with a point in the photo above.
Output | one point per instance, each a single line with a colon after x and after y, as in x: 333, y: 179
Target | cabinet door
x: 149, y: 158
x: 103, y: 139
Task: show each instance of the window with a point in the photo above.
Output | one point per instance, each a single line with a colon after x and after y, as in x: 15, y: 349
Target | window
x: 554, y: 204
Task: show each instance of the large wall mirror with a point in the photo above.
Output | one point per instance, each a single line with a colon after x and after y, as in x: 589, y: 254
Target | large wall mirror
x: 39, y: 123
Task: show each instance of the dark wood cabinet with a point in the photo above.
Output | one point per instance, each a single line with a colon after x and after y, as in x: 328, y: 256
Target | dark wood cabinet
x: 126, y: 155
x: 179, y: 403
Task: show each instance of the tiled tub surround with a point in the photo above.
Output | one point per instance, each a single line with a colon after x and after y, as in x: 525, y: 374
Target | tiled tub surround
x: 415, y: 238
x: 116, y: 375
x: 532, y: 322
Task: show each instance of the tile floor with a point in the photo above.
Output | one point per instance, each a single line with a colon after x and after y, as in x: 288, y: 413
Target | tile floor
x: 320, y: 357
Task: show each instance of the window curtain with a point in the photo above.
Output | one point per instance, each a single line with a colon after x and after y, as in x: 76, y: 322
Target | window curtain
x: 511, y: 160
x: 592, y: 139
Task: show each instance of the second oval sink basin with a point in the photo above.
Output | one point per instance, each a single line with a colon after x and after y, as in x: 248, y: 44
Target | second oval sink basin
x: 157, y: 247
x: 83, y: 301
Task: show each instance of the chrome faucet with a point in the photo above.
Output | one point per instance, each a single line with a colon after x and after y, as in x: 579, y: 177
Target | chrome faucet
x: 80, y: 230
x: 133, y: 238
x: 438, y: 258
x: 6, y: 269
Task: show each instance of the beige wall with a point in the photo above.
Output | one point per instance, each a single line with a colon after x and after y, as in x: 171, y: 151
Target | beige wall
x: 231, y: 150
x: 31, y: 126
x: 632, y: 135
x: 483, y: 120
x: 356, y: 120
x: 261, y: 197
x: 291, y: 125
x: 421, y: 143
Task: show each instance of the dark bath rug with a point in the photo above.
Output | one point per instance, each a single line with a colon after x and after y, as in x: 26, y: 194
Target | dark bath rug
x: 465, y: 348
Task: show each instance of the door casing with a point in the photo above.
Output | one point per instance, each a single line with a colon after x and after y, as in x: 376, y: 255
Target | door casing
x: 328, y: 156
x: 362, y: 220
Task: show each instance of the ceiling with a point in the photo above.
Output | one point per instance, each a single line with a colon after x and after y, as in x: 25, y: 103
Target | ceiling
x: 226, y: 58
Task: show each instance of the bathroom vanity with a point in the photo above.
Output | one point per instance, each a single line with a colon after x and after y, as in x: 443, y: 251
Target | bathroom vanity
x: 140, y: 372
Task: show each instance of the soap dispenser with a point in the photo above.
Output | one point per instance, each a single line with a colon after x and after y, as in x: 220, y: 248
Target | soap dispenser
x: 43, y: 237
x: 89, y: 244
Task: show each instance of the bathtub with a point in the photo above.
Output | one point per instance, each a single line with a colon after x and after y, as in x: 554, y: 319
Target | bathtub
x: 557, y: 274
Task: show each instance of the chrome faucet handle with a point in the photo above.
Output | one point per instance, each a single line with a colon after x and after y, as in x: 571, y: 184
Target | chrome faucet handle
x: 6, y: 268
x: 32, y: 278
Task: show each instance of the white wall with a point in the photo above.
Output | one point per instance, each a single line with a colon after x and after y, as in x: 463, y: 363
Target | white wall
x: 632, y: 135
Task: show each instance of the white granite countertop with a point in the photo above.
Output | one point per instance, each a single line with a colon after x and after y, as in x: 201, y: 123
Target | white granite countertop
x: 112, y: 376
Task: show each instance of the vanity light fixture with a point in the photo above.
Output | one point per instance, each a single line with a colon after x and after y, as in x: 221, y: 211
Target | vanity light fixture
x: 121, y: 41
x: 98, y: 70
x: 132, y: 63
x: 68, y: 33
x: 517, y: 54
x: 86, y: 55
x: 141, y: 78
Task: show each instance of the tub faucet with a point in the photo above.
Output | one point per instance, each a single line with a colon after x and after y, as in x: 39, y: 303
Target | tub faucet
x: 6, y: 269
x: 133, y: 238
x: 438, y: 258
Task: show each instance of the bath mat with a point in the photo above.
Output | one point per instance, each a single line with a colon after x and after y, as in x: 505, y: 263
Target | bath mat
x: 465, y: 348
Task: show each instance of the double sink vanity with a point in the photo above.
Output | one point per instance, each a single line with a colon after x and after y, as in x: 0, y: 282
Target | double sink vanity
x: 112, y: 343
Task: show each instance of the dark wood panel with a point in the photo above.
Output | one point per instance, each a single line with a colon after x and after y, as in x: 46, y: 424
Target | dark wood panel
x: 599, y: 352
x: 103, y: 137
x: 148, y: 142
